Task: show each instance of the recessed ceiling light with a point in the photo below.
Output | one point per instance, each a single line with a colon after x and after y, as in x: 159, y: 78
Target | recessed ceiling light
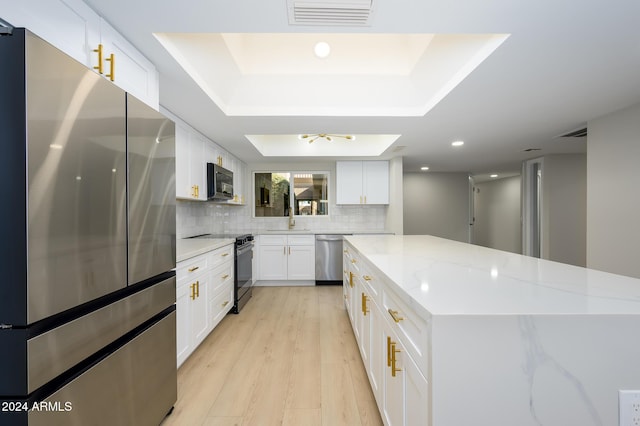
x: 322, y: 49
x: 457, y: 143
x: 494, y: 176
x: 424, y: 168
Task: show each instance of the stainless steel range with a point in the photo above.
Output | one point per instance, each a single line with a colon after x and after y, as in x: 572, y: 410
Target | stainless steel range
x: 243, y: 270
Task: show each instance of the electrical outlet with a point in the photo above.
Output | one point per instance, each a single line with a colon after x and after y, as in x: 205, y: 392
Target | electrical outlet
x: 629, y: 406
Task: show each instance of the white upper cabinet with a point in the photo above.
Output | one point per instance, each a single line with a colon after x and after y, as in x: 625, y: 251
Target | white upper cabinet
x: 362, y: 182
x: 127, y: 67
x: 191, y: 172
x: 74, y: 28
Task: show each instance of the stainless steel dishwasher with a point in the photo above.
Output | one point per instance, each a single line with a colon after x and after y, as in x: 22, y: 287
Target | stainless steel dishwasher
x: 329, y: 259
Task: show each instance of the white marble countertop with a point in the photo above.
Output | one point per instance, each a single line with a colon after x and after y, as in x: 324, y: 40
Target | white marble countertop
x: 187, y: 248
x: 319, y: 232
x: 444, y: 277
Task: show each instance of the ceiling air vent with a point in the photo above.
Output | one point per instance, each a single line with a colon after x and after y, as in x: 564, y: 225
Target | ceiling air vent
x: 330, y: 12
x: 580, y: 133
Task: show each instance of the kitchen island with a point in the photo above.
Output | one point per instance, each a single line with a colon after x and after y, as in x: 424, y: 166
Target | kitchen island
x: 454, y: 334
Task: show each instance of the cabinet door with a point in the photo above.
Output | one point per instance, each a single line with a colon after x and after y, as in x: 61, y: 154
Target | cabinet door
x: 130, y: 70
x: 393, y: 393
x: 416, y: 391
x: 377, y: 358
x: 198, y: 309
x: 183, y: 146
x: 301, y: 263
x: 183, y: 333
x: 375, y: 182
x: 273, y: 262
x: 197, y: 165
x: 349, y: 182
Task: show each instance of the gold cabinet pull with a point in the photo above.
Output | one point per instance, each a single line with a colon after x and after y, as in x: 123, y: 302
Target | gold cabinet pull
x: 361, y: 199
x: 364, y: 305
x: 346, y: 251
x: 394, y: 315
x: 193, y: 291
x: 388, y: 351
x: 225, y: 276
x: 289, y: 251
x: 353, y: 261
x: 195, y: 268
x: 394, y: 351
x: 350, y: 279
x: 197, y: 288
x: 225, y: 254
x: 366, y: 277
x: 225, y: 303
x: 112, y: 60
x: 99, y: 67
x: 365, y: 199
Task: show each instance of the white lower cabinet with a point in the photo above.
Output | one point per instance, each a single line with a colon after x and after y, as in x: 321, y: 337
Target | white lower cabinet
x: 399, y: 387
x: 287, y: 257
x: 204, y: 295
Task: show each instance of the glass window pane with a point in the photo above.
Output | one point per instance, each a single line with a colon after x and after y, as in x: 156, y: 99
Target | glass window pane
x: 310, y: 194
x: 272, y: 194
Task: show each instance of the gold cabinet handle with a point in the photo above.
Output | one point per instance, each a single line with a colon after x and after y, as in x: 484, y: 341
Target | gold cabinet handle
x: 225, y: 303
x: 365, y: 310
x: 353, y: 261
x: 112, y: 60
x: 350, y: 279
x: 346, y: 251
x: 99, y: 67
x: 197, y: 288
x: 388, y: 351
x: 365, y: 199
x: 394, y: 315
x: 195, y: 268
x: 225, y: 276
x: 366, y: 277
x: 394, y: 351
x: 289, y: 251
x: 225, y: 254
x: 193, y: 291
x: 361, y: 199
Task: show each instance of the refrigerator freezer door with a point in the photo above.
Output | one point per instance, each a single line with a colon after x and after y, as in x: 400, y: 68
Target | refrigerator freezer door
x: 75, y: 143
x: 152, y: 200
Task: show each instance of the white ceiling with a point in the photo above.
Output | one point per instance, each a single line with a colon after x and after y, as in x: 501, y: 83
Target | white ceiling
x: 564, y: 63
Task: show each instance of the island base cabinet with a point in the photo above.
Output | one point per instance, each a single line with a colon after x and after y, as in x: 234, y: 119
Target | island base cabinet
x: 405, y: 391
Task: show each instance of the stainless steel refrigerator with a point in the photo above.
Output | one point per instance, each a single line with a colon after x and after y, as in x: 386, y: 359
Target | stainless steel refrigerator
x: 87, y: 297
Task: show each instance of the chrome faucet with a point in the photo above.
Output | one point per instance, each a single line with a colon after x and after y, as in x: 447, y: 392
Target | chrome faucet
x: 292, y: 222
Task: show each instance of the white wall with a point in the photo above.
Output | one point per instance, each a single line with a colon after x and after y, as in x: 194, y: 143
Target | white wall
x: 564, y: 221
x: 497, y: 213
x: 394, y: 220
x: 437, y: 204
x: 613, y: 188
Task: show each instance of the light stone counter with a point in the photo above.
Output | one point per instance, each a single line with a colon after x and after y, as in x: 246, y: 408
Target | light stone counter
x: 514, y: 340
x: 187, y: 248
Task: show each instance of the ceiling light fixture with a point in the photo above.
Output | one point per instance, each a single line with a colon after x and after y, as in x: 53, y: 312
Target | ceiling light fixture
x: 457, y: 143
x: 494, y: 176
x: 322, y: 49
x: 327, y: 136
x: 424, y: 168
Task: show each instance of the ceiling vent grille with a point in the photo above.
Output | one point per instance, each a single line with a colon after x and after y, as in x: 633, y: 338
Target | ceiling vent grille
x: 330, y: 12
x: 580, y: 133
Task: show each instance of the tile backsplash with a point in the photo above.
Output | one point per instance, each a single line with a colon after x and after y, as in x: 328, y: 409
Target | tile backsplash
x: 197, y: 217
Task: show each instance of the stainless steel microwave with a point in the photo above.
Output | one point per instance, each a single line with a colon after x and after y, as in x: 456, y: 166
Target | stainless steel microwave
x: 219, y: 182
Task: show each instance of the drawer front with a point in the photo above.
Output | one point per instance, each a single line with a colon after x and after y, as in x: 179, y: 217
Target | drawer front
x: 220, y: 305
x: 273, y: 240
x: 371, y: 280
x: 222, y: 255
x: 301, y: 240
x: 412, y: 330
x: 189, y: 268
x: 220, y: 278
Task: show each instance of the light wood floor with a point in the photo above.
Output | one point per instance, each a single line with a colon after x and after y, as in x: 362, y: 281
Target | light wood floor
x: 288, y: 358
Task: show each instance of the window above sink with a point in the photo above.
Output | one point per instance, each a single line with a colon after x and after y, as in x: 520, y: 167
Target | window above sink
x: 273, y: 189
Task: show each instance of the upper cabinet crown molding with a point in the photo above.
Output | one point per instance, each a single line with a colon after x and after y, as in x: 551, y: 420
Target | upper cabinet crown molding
x: 74, y: 28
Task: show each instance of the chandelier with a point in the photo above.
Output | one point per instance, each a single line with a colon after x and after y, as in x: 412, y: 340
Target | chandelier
x: 327, y: 136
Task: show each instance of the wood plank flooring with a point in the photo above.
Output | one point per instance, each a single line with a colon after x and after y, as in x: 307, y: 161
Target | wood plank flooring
x: 289, y: 358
